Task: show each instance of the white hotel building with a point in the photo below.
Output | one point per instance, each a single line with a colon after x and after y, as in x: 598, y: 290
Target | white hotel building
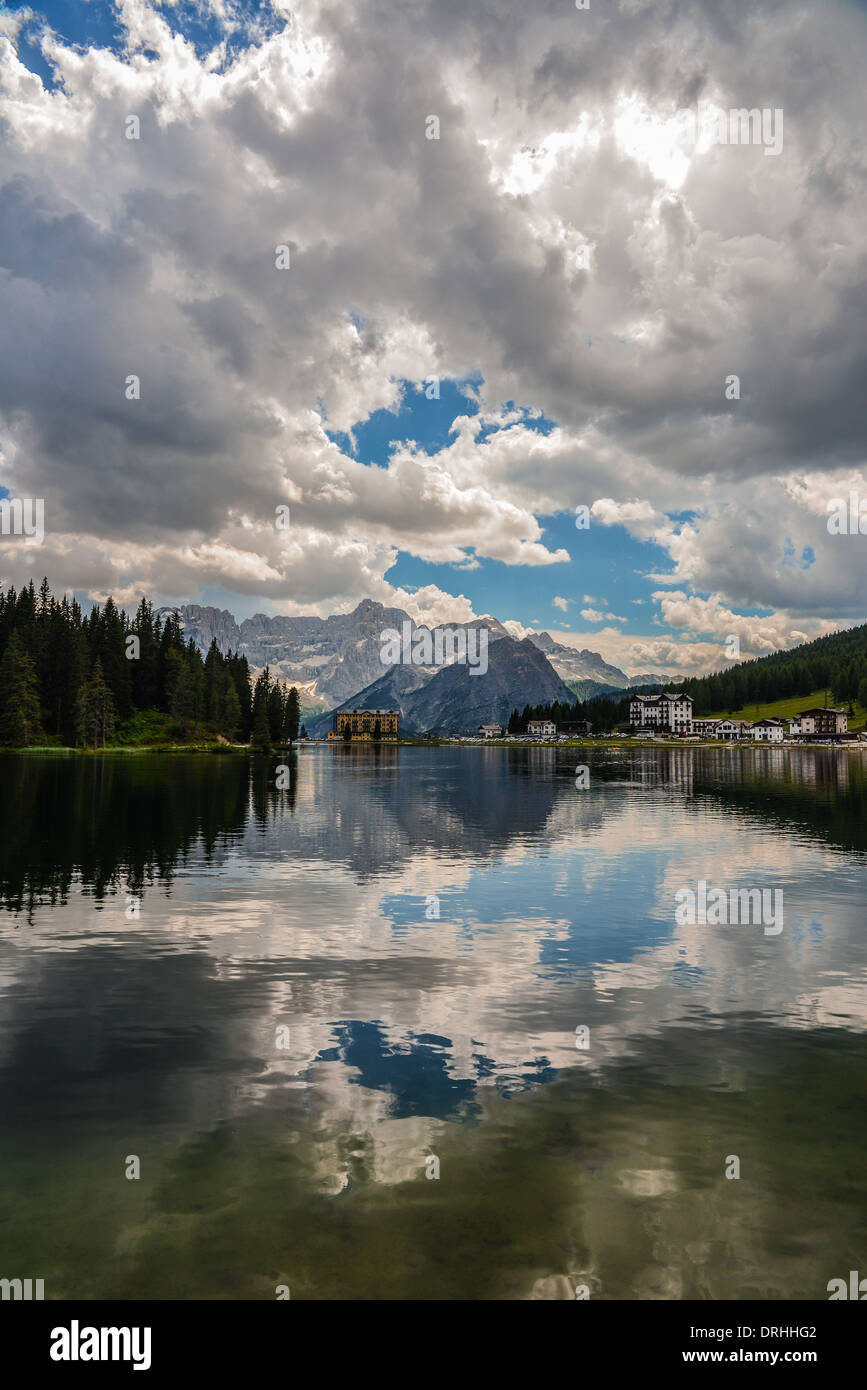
x: 669, y: 713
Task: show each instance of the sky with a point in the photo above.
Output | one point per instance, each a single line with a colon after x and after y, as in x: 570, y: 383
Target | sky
x: 513, y: 284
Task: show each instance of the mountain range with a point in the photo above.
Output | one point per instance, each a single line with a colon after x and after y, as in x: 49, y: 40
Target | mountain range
x: 333, y: 658
x: 336, y: 661
x: 456, y: 699
x: 328, y: 659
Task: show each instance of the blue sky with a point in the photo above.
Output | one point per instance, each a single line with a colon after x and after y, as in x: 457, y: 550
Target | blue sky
x: 94, y: 23
x: 606, y: 562
x: 83, y: 24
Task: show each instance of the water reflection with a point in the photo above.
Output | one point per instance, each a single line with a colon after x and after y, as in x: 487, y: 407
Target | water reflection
x: 109, y: 821
x: 309, y: 906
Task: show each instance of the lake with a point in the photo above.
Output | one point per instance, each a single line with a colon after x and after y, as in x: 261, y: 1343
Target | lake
x: 421, y: 1023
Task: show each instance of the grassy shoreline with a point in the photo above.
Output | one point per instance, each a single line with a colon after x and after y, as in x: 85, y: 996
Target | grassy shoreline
x: 132, y: 749
x: 603, y: 741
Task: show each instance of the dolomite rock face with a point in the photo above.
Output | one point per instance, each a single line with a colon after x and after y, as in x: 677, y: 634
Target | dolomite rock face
x: 572, y: 664
x: 332, y: 660
x: 329, y: 659
x: 455, y: 699
x: 203, y: 624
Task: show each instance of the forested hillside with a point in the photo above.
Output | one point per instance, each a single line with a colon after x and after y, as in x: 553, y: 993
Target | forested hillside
x: 836, y: 663
x: 72, y: 680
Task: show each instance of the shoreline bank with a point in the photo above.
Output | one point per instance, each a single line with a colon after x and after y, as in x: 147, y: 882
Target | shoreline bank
x: 229, y: 749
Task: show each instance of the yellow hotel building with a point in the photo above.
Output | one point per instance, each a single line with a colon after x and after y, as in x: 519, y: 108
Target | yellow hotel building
x: 360, y: 724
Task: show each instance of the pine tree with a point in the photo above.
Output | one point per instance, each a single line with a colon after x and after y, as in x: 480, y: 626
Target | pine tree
x: 109, y: 644
x: 182, y: 698
x: 20, y: 719
x: 145, y: 670
x: 171, y: 640
x: 196, y: 673
x: 239, y: 670
x: 45, y: 600
x: 95, y: 716
x: 230, y: 720
x: 260, y: 736
x: 215, y: 689
x: 291, y: 716
x: 276, y: 709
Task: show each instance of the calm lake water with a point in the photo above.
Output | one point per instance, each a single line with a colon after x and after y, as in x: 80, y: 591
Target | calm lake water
x: 293, y: 1005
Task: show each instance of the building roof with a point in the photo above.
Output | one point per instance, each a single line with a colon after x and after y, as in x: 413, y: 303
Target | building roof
x: 361, y: 710
x: 665, y: 695
x: 819, y: 709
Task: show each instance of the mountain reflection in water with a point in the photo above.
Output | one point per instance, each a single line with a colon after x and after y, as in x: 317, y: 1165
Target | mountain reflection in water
x: 431, y: 925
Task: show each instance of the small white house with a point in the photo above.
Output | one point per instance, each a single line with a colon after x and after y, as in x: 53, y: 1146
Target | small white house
x: 542, y: 728
x: 705, y: 727
x: 733, y: 728
x: 491, y: 730
x: 769, y: 730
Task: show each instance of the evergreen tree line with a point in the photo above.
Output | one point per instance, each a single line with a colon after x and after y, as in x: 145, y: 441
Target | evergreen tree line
x: 603, y: 713
x: 74, y: 680
x: 836, y: 663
